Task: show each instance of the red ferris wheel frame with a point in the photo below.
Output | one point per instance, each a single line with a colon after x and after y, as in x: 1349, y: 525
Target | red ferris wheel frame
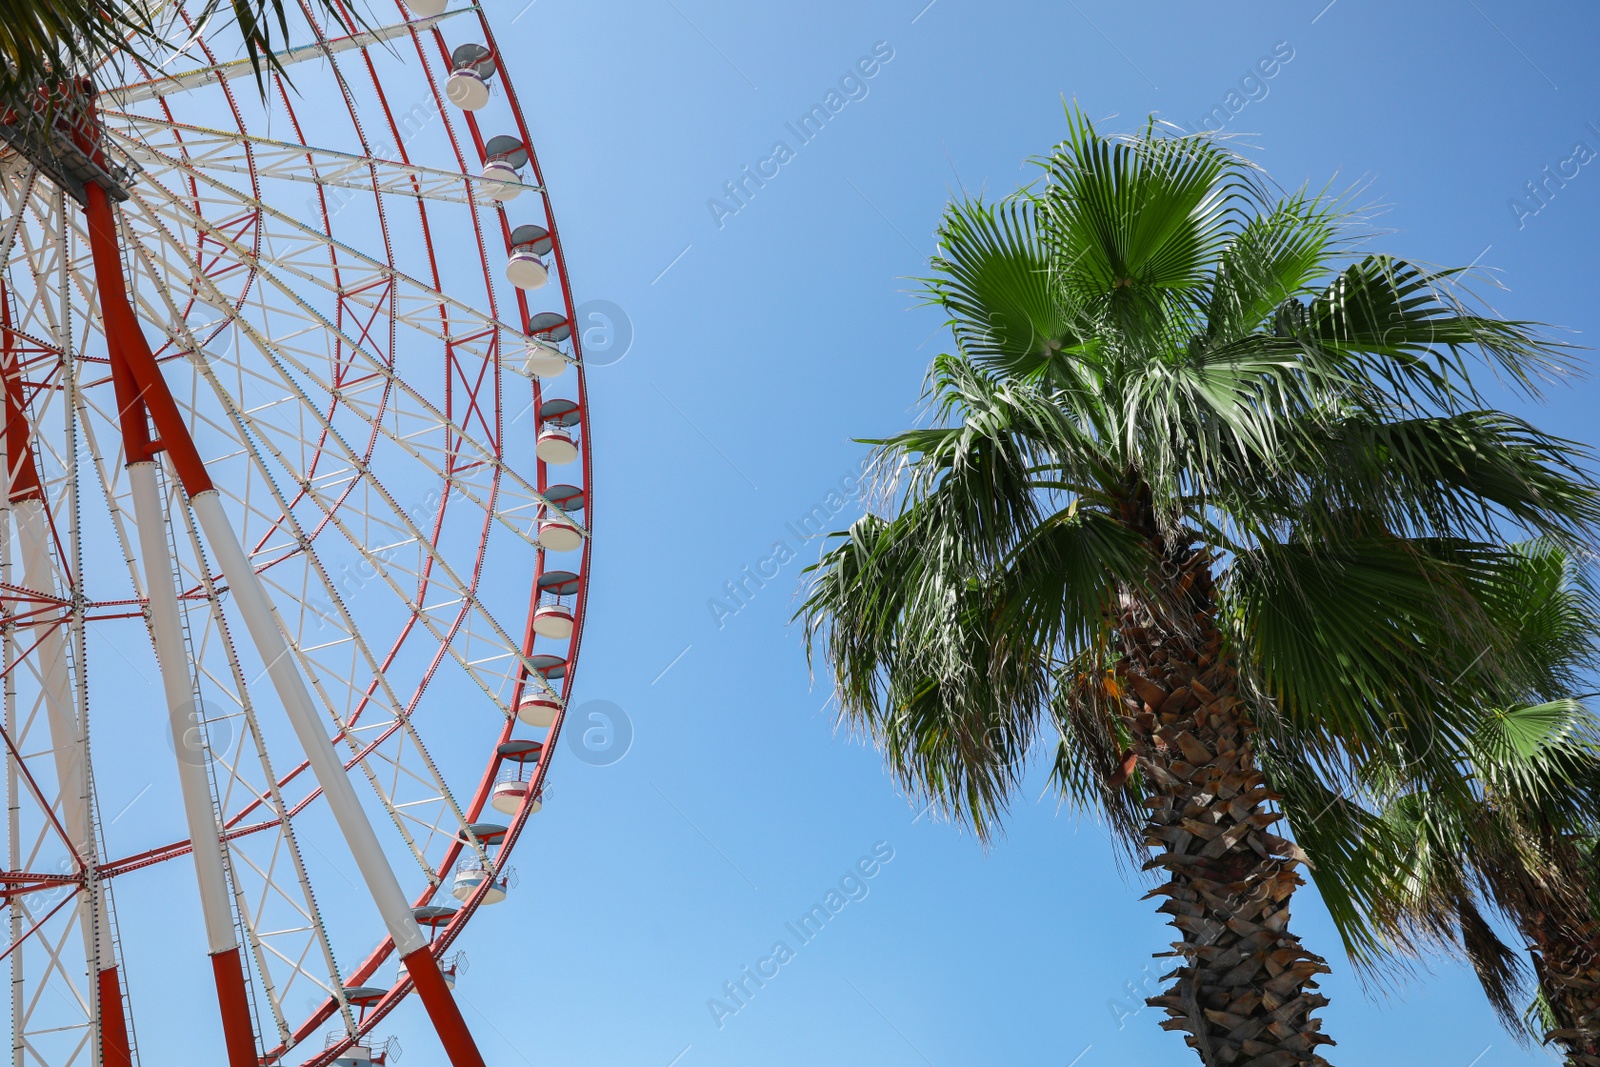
x: 136, y: 374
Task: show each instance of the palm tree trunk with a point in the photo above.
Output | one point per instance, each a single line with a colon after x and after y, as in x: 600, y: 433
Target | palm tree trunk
x: 1244, y: 991
x: 1566, y: 957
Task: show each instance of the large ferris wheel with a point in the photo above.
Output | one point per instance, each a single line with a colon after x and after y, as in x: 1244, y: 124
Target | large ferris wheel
x: 296, y: 543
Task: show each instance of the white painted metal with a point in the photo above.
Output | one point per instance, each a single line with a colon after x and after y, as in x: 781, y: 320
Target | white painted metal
x: 66, y: 736
x: 240, y: 68
x: 215, y: 150
x: 199, y: 804
x: 261, y: 619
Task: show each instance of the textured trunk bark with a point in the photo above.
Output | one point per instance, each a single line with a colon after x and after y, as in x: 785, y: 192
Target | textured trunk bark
x: 1244, y: 991
x: 1566, y: 957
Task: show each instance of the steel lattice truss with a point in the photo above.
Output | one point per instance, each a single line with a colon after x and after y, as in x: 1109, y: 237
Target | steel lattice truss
x: 320, y: 277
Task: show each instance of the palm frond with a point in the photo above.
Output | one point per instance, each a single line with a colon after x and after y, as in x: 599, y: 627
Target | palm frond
x: 1410, y: 329
x: 993, y: 277
x: 1276, y: 257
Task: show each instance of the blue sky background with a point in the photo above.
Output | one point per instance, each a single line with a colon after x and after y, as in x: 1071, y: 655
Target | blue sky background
x: 759, y: 349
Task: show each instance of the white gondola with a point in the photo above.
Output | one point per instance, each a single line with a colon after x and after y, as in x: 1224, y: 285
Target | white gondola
x: 366, y: 1052
x: 470, y: 875
x: 503, y: 183
x: 546, y: 331
x: 559, y: 535
x: 510, y: 792
x: 513, y: 786
x: 538, y: 709
x: 557, y: 443
x: 424, y: 9
x: 558, y: 594
x: 506, y: 156
x: 553, y: 620
x: 539, y: 704
x: 543, y: 360
x: 471, y: 67
x: 526, y: 268
x: 560, y: 532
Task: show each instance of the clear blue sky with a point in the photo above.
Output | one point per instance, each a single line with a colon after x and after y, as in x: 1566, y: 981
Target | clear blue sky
x: 778, y: 337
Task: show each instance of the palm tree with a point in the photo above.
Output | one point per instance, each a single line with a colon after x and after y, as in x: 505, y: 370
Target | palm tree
x: 1513, y: 835
x: 1518, y: 845
x: 1191, y: 486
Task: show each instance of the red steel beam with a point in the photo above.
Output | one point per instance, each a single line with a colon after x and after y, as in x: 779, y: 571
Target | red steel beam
x: 142, y: 392
x: 132, y: 350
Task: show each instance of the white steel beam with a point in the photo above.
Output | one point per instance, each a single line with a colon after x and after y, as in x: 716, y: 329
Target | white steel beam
x: 166, y: 627
x: 261, y: 619
x: 66, y: 737
x: 286, y: 161
x: 193, y: 79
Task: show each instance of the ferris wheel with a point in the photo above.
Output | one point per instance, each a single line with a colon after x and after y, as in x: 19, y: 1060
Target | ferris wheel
x: 295, y: 549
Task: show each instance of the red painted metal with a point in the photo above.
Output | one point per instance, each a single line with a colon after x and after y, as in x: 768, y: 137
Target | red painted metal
x: 19, y: 449
x: 130, y: 349
x: 115, y: 1049
x: 441, y: 1008
x: 234, y: 999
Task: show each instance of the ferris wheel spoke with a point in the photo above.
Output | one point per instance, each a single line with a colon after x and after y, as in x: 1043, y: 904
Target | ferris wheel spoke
x: 284, y: 670
x: 271, y: 908
x: 301, y: 250
x: 266, y: 158
x: 171, y: 84
x: 264, y: 431
x: 384, y: 381
x: 250, y: 425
